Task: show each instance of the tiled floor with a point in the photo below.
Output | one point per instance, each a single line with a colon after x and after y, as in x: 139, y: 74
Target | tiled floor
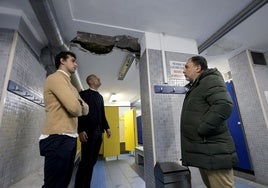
x: 118, y: 173
x: 123, y: 173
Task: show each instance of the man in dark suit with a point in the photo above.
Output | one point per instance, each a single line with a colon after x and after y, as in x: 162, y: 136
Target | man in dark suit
x: 90, y: 129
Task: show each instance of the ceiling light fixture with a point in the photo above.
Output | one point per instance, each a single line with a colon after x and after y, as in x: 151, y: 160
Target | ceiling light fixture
x: 125, y: 67
x: 113, y: 98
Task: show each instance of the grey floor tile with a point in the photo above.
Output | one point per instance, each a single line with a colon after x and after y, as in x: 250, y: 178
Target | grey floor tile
x: 120, y: 172
x: 243, y: 183
x: 34, y: 180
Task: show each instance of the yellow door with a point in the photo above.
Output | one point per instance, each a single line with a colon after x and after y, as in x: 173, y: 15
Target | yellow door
x: 111, y: 146
x: 130, y: 129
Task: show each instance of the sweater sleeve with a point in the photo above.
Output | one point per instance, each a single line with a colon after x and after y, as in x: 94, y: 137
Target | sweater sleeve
x: 82, y: 120
x: 85, y: 108
x: 82, y: 124
x: 66, y: 95
x: 104, y: 120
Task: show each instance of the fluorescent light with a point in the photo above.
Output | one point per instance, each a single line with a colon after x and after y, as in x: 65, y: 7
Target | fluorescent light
x: 113, y: 98
x: 125, y: 67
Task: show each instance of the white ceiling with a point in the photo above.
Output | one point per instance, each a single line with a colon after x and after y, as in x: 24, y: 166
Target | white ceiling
x: 192, y: 19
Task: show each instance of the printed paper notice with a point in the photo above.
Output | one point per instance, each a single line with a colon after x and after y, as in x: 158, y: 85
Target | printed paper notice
x: 176, y: 70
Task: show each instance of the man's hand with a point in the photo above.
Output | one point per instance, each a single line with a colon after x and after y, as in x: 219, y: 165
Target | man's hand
x: 108, y: 133
x: 81, y: 102
x: 83, y: 136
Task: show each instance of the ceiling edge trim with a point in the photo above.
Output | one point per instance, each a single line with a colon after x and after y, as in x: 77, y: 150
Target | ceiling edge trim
x: 232, y: 23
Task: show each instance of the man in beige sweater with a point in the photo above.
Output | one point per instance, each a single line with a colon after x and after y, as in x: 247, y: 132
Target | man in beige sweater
x: 59, y: 137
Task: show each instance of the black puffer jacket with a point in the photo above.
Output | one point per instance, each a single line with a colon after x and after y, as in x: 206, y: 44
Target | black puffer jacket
x: 205, y: 138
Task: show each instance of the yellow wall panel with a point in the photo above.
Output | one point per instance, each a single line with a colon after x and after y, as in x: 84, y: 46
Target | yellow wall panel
x: 130, y: 129
x: 111, y: 146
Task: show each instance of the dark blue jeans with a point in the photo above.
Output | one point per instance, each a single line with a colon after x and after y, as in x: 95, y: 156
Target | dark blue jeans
x: 59, y: 152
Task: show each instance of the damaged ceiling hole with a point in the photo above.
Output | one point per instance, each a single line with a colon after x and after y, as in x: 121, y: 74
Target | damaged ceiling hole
x: 103, y: 44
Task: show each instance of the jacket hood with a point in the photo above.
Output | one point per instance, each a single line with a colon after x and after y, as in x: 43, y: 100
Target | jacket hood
x: 212, y: 71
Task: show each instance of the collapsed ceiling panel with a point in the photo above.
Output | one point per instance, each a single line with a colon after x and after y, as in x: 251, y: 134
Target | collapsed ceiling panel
x: 103, y: 44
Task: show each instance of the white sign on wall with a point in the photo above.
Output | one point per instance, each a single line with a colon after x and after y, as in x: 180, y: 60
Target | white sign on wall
x: 176, y: 70
x: 175, y: 73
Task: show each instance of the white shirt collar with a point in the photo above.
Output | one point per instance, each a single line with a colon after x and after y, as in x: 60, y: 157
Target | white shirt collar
x: 63, y: 72
x: 93, y: 89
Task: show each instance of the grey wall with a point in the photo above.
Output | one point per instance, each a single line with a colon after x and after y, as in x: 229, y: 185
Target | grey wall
x: 249, y: 79
x: 6, y: 37
x: 146, y: 121
x: 22, y: 119
x: 160, y: 116
x: 261, y: 74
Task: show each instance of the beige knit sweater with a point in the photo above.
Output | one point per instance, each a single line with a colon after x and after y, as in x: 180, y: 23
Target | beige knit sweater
x: 62, y: 105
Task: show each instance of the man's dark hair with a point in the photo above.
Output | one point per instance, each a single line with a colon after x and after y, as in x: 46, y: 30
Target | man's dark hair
x: 64, y: 55
x: 199, y: 60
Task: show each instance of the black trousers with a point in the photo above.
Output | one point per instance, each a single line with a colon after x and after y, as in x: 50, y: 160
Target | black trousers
x: 59, y: 152
x: 89, y: 156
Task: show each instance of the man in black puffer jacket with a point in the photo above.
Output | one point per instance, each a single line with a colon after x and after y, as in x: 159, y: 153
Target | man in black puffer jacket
x: 206, y: 142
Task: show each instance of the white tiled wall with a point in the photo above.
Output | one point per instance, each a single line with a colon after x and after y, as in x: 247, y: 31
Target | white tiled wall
x: 249, y: 82
x: 22, y: 119
x: 6, y: 37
